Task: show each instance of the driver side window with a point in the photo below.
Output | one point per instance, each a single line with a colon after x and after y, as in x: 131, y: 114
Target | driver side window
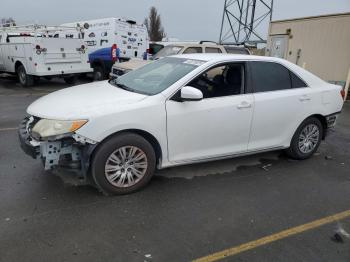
x: 222, y: 80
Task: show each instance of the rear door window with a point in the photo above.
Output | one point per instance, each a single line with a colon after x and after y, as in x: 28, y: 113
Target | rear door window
x: 269, y: 76
x: 213, y: 50
x: 193, y: 50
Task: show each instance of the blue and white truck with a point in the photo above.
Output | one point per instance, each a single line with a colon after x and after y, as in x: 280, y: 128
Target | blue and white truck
x: 111, y: 40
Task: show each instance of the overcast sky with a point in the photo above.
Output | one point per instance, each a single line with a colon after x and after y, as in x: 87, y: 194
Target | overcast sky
x: 182, y: 19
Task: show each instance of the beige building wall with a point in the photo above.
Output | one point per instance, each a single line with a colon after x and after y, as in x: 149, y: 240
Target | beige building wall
x: 324, y: 44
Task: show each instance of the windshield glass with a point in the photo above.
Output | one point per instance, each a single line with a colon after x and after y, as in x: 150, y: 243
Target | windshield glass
x: 167, y: 51
x: 157, y: 76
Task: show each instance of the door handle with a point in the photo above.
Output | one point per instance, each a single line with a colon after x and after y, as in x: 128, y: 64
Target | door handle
x: 244, y: 104
x: 304, y: 98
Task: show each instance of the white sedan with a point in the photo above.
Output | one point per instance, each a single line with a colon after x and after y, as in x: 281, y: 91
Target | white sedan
x: 179, y: 110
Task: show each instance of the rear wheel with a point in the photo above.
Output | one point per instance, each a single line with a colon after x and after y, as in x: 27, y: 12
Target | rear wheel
x: 306, y: 139
x: 23, y: 77
x: 123, y: 164
x: 99, y: 73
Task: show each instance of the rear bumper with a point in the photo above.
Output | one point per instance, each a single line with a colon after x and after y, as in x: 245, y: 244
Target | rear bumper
x: 331, y: 119
x: 62, y: 72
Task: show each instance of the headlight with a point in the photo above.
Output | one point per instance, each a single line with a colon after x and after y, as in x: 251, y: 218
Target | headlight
x: 47, y: 127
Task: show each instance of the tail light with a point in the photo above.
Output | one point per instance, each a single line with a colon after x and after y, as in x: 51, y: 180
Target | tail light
x: 342, y: 93
x: 148, y: 51
x: 114, y: 53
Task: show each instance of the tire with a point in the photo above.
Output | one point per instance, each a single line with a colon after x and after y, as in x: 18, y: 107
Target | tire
x: 306, y: 140
x: 24, y: 79
x: 70, y: 80
x: 99, y: 73
x: 118, y: 179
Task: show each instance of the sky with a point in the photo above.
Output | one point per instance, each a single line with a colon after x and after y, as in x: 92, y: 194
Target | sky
x: 182, y: 19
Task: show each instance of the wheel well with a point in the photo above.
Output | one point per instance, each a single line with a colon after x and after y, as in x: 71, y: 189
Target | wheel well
x: 17, y: 64
x: 323, y: 122
x: 149, y: 137
x: 97, y: 63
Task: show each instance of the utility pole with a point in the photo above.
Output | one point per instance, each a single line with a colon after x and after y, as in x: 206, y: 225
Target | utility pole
x: 245, y: 21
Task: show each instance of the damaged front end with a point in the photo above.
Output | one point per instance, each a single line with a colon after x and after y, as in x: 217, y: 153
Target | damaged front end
x: 64, y: 154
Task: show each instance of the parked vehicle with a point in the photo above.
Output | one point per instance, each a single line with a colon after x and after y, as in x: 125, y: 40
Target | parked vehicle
x: 170, y: 49
x: 180, y: 110
x: 233, y: 49
x: 113, y: 39
x: 35, y: 51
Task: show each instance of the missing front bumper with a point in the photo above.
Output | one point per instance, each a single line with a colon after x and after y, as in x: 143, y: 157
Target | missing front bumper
x: 68, y: 153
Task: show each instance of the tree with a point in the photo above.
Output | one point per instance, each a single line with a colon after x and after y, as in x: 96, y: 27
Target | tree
x: 154, y: 25
x: 7, y: 22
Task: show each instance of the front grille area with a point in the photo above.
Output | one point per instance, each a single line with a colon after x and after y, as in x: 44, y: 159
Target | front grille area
x: 118, y: 72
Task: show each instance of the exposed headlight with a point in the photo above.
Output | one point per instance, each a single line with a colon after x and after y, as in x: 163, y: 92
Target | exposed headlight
x: 47, y: 127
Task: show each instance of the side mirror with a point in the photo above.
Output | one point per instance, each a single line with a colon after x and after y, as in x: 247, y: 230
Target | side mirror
x: 189, y: 93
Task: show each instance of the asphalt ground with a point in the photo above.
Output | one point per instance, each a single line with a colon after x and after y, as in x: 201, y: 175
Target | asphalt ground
x: 185, y: 213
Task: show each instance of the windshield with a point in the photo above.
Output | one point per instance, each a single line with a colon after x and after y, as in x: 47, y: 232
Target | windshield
x: 168, y: 51
x: 157, y: 76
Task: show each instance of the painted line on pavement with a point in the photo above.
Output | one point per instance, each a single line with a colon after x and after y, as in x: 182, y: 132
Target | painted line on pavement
x: 25, y: 95
x: 274, y: 237
x: 8, y: 129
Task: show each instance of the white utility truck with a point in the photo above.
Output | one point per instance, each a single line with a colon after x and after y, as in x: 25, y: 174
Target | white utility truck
x: 113, y: 39
x: 34, y: 51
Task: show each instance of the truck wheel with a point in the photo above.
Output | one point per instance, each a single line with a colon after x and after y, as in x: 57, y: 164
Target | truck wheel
x: 123, y: 164
x: 23, y: 77
x: 306, y: 139
x: 70, y: 80
x: 99, y: 73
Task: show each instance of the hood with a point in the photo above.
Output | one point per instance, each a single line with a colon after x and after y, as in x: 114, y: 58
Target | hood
x: 83, y: 101
x: 132, y: 64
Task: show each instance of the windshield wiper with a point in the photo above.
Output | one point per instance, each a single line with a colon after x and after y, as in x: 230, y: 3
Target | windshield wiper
x: 122, y: 86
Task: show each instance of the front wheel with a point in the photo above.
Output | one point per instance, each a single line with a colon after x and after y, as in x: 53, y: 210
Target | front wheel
x: 123, y: 164
x: 306, y: 139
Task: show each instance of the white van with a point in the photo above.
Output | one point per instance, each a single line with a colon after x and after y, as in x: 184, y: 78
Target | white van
x: 113, y: 39
x: 35, y: 51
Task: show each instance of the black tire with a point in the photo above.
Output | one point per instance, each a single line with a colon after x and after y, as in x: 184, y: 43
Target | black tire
x: 107, y: 148
x: 70, y: 80
x: 99, y: 73
x: 23, y: 78
x: 295, y: 151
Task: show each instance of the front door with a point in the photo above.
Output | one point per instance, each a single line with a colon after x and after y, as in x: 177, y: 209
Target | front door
x: 216, y: 126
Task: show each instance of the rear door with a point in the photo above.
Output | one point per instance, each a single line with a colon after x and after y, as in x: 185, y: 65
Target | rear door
x: 282, y: 101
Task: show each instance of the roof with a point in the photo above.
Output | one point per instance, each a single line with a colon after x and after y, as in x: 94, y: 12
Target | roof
x: 311, y: 17
x: 213, y: 57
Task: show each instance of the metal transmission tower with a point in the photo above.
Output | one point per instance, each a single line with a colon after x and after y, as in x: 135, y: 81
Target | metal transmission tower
x: 244, y: 21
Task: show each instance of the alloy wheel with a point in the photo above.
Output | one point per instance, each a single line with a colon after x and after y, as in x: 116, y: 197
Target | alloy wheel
x: 126, y: 166
x: 309, y: 138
